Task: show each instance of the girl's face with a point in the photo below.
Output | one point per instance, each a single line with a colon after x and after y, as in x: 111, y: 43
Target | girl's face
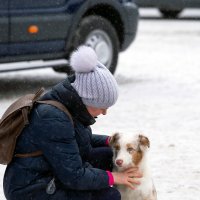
x: 96, y: 111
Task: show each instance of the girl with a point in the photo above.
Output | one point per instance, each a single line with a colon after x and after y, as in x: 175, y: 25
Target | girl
x: 75, y: 164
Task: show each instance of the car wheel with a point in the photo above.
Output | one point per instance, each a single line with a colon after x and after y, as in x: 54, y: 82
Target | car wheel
x: 170, y: 13
x: 98, y: 33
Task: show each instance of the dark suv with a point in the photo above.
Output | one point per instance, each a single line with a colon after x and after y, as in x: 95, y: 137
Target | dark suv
x: 51, y: 29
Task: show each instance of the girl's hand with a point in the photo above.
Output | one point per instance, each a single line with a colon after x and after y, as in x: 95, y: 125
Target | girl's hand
x: 127, y: 177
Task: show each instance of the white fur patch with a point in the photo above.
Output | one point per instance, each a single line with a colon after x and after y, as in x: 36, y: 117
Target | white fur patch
x: 83, y: 60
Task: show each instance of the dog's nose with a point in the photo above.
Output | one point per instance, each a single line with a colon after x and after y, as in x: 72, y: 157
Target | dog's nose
x: 119, y: 162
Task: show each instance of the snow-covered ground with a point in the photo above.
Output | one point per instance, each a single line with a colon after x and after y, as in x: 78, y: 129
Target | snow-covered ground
x: 159, y: 80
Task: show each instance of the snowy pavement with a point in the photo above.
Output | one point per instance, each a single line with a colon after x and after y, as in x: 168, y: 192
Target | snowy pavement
x: 159, y: 80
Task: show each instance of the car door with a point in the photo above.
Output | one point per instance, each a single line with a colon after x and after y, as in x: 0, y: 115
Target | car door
x: 4, y: 33
x: 146, y: 3
x: 37, y: 26
x: 192, y: 3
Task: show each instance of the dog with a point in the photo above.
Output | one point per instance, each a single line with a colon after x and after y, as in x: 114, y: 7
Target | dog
x: 131, y: 150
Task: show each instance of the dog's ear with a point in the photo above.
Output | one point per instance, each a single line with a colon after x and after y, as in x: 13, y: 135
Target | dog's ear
x: 113, y: 139
x: 144, y: 141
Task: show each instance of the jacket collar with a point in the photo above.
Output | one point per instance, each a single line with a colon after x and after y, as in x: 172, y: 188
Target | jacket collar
x: 67, y: 95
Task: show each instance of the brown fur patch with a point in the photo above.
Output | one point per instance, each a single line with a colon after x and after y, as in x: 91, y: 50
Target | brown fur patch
x: 137, y: 157
x: 114, y: 140
x: 136, y: 154
x: 143, y: 140
x: 117, y: 147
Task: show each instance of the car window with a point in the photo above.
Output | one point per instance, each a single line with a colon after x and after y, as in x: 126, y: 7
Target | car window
x: 18, y: 4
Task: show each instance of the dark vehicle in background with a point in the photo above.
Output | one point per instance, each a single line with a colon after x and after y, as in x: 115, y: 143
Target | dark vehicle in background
x: 51, y: 29
x: 169, y: 8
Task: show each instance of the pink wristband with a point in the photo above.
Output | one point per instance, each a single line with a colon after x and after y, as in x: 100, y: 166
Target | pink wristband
x: 111, y: 178
x: 107, y: 141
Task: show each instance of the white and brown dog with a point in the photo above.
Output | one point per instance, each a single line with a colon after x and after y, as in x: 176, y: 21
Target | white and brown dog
x: 131, y: 150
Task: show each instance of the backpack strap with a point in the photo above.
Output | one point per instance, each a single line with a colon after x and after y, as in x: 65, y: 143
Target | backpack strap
x: 38, y: 94
x: 28, y: 155
x: 57, y: 105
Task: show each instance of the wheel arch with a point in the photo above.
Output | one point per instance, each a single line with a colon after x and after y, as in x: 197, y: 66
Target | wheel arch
x: 108, y: 12
x: 100, y: 9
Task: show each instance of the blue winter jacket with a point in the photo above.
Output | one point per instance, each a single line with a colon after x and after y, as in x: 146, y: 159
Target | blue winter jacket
x: 65, y: 148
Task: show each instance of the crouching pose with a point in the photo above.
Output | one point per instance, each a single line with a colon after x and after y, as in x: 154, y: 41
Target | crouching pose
x: 74, y: 164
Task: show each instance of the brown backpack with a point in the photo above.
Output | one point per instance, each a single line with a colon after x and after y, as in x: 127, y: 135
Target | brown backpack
x: 15, y: 119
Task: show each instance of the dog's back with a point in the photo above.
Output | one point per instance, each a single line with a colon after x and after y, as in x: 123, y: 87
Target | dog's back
x: 131, y: 150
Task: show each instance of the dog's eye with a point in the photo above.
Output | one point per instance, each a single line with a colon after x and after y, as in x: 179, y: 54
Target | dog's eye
x: 117, y: 148
x: 130, y: 149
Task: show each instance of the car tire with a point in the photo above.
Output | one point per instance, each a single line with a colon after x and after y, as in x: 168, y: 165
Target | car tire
x: 170, y: 13
x: 98, y: 33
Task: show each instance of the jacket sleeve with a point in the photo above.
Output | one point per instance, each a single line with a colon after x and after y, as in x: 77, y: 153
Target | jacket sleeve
x: 56, y: 139
x: 99, y: 140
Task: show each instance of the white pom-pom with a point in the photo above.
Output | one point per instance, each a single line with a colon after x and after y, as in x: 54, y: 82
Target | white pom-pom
x: 83, y: 60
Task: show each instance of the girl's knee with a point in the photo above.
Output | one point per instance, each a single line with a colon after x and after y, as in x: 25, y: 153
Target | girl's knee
x: 107, y: 194
x: 114, y: 194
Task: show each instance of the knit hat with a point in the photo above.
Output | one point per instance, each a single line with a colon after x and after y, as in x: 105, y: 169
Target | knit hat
x: 94, y: 82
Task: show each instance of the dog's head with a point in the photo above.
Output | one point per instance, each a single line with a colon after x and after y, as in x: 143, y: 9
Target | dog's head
x: 128, y: 149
